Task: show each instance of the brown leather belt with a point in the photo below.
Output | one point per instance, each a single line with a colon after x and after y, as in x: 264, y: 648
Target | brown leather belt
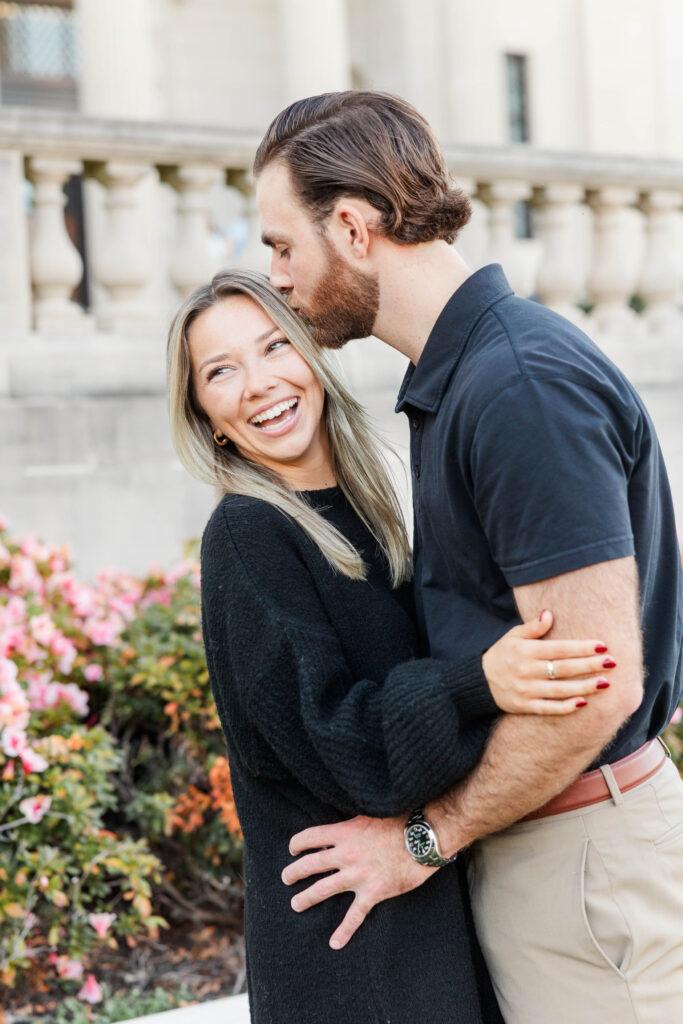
x: 591, y: 788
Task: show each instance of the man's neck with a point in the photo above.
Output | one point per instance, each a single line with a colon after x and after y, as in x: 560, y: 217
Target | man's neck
x: 416, y: 282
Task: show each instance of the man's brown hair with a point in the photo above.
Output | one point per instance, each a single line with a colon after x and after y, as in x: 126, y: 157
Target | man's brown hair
x: 372, y: 146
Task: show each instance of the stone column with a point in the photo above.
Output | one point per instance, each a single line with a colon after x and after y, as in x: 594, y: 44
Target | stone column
x: 659, y: 280
x: 612, y: 279
x: 15, y: 284
x: 56, y: 265
x: 193, y: 262
x: 122, y: 266
x: 315, y: 47
x: 472, y: 241
x: 120, y: 62
x: 501, y: 197
x: 255, y: 255
x: 560, y: 276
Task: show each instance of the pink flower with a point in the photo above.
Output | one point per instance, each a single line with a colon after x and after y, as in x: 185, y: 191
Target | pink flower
x: 677, y: 716
x: 91, y: 991
x: 13, y: 741
x: 101, y: 923
x: 34, y: 808
x: 8, y: 673
x: 71, y: 969
x: 83, y: 600
x: 93, y: 673
x: 4, y: 523
x: 24, y: 577
x: 102, y: 632
x: 58, y: 561
x: 32, y: 760
x: 11, y: 640
x: 32, y: 548
x: 76, y: 698
x: 15, y: 609
x: 44, y: 629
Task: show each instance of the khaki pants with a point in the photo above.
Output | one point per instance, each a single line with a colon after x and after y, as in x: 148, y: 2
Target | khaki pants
x: 580, y: 915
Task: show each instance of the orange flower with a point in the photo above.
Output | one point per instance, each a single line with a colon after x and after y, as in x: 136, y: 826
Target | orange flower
x: 222, y: 796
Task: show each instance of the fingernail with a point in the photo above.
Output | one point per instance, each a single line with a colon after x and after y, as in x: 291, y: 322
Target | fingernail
x: 602, y: 684
x: 294, y: 904
x: 540, y: 617
x: 601, y: 649
x: 581, y: 703
x: 609, y: 663
x: 334, y: 943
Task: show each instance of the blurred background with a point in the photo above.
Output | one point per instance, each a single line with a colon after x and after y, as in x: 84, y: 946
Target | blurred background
x: 127, y: 132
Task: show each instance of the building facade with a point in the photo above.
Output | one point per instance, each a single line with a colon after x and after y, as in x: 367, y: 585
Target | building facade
x: 127, y: 130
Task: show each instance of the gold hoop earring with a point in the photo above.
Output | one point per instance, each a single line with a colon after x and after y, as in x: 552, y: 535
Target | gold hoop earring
x: 221, y: 444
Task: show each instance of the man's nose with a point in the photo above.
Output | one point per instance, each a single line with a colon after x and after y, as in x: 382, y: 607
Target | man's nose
x: 279, y: 276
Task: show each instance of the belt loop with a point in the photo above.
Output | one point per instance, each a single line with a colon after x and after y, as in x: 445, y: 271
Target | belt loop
x: 611, y: 783
x: 666, y: 749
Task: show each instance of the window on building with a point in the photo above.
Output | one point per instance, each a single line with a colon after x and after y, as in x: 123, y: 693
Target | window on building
x: 38, y: 54
x: 518, y: 121
x: 518, y: 97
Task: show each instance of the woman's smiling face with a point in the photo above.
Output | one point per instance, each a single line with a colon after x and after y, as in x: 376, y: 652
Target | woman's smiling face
x: 259, y: 392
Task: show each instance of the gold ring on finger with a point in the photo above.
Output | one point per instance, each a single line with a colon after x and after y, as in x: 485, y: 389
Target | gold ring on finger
x: 551, y: 670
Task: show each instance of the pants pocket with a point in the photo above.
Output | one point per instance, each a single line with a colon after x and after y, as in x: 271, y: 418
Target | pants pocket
x: 670, y: 838
x: 603, y: 920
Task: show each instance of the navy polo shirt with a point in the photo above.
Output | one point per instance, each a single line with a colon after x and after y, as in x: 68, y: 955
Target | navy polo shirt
x: 532, y: 455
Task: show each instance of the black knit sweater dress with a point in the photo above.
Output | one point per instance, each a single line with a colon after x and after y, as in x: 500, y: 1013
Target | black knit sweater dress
x: 326, y: 716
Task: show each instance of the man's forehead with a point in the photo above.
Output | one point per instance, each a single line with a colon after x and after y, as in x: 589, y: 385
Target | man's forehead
x: 280, y: 209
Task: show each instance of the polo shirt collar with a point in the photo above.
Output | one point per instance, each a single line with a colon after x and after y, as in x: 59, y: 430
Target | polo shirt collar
x: 424, y: 385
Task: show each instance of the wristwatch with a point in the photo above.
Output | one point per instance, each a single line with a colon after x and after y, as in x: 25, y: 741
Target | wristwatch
x: 421, y: 844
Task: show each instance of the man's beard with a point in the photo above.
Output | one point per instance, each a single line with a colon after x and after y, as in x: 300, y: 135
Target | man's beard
x: 344, y: 302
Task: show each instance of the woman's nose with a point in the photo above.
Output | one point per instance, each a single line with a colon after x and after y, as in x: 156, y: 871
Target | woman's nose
x: 258, y: 379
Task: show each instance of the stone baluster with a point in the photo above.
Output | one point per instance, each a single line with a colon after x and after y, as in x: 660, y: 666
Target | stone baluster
x: 472, y: 240
x: 194, y: 261
x: 255, y: 255
x: 56, y: 265
x: 560, y: 277
x: 501, y: 197
x: 659, y: 279
x: 122, y: 267
x: 15, y: 284
x: 613, y: 274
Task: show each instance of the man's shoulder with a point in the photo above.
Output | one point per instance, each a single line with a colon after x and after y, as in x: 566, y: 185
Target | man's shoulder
x: 520, y: 345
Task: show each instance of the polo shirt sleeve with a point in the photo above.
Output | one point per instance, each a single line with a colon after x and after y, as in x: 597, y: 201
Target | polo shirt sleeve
x: 550, y: 462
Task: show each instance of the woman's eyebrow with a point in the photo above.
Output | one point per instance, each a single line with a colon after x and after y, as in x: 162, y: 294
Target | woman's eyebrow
x: 226, y: 355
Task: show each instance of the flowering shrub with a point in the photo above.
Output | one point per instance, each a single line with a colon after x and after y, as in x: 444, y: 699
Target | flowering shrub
x: 106, y: 722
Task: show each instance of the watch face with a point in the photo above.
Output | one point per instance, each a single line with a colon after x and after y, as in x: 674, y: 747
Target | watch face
x: 419, y: 840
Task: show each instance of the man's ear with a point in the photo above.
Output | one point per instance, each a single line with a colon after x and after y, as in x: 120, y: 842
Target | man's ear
x: 351, y: 224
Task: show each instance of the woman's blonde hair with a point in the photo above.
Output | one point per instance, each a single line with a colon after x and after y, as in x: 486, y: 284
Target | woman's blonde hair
x: 359, y: 466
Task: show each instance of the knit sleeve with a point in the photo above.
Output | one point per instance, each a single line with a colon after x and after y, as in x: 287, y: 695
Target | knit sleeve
x: 371, y: 746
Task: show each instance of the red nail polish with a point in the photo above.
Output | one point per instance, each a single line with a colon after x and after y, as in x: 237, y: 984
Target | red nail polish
x: 581, y: 703
x: 601, y: 649
x: 602, y: 684
x: 609, y: 663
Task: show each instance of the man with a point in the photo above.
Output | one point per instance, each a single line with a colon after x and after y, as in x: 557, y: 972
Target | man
x: 538, y: 483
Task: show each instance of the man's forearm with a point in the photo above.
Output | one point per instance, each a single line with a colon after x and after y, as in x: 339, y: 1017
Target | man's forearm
x: 527, y: 761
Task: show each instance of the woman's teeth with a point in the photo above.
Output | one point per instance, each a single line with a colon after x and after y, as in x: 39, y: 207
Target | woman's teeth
x: 273, y: 413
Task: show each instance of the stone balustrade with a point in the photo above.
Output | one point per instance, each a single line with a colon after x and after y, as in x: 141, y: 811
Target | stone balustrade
x: 604, y: 228
x: 83, y: 319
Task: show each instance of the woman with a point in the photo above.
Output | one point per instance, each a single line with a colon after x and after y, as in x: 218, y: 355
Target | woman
x: 311, y: 652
